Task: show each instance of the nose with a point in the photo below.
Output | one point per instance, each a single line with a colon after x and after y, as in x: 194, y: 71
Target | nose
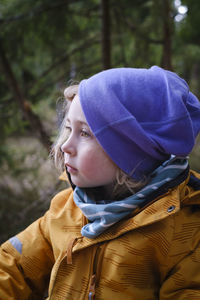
x: 68, y: 147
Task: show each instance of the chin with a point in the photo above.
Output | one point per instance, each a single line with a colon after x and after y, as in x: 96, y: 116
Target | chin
x: 80, y: 184
x: 85, y: 185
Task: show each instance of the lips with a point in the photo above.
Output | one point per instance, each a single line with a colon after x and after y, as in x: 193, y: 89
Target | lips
x: 70, y: 169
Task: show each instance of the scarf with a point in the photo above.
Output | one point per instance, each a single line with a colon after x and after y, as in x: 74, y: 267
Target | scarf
x: 105, y: 213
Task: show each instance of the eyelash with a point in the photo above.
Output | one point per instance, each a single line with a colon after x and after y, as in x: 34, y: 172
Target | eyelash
x: 83, y: 132
x: 68, y: 129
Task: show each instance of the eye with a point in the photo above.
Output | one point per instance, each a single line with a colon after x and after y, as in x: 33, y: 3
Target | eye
x: 68, y: 129
x: 85, y: 133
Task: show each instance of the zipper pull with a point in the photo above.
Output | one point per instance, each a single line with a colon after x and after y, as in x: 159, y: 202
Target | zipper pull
x: 70, y: 246
x: 69, y: 250
x: 92, y: 287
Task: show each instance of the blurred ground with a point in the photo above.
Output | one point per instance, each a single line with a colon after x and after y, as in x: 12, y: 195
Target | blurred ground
x: 27, y: 188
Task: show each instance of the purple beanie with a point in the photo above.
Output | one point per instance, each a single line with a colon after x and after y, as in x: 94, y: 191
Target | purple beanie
x: 140, y: 116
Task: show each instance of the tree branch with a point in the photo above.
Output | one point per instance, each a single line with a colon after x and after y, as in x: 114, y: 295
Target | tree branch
x: 24, y: 105
x: 36, y: 11
x: 135, y: 28
x: 61, y: 60
x: 105, y: 34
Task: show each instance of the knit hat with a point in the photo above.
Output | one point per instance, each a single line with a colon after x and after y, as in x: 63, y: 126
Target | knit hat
x: 140, y: 116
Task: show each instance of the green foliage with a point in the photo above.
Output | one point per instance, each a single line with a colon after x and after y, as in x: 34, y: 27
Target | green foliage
x: 191, y: 25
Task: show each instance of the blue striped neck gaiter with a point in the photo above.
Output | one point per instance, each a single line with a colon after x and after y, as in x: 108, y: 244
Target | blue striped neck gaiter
x: 105, y: 213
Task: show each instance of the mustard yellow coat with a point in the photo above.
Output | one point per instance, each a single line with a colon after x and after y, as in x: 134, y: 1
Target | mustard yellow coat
x: 152, y: 255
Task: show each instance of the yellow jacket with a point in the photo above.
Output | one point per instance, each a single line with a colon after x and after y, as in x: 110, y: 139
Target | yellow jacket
x: 152, y: 255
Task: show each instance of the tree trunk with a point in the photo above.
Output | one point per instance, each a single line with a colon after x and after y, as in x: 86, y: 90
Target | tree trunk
x: 167, y: 36
x: 106, y: 43
x: 24, y: 105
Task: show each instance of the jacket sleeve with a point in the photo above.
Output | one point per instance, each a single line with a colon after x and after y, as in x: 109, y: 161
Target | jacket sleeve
x: 182, y: 280
x: 25, y: 263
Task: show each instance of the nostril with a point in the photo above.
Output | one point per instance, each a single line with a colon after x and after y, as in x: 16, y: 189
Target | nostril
x: 64, y: 147
x: 67, y: 150
x: 61, y: 150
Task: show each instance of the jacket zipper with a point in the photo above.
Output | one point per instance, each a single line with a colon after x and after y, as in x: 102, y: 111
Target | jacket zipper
x: 95, y: 271
x: 92, y: 287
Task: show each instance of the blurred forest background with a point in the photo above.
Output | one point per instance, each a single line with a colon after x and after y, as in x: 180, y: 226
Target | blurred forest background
x: 44, y: 45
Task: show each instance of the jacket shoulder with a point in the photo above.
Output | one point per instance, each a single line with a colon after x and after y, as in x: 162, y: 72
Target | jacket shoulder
x: 61, y: 199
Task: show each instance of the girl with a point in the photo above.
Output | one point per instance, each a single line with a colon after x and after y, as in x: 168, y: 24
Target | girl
x: 130, y: 225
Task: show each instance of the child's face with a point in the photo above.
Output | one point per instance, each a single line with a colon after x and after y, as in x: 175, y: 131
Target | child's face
x: 86, y: 161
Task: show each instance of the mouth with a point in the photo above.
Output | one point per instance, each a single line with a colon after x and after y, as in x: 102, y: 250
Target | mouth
x: 70, y: 169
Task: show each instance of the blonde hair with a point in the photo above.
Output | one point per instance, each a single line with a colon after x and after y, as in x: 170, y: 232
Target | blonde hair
x: 124, y: 183
x: 56, y: 152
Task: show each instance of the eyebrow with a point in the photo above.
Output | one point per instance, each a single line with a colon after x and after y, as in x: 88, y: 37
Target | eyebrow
x: 78, y: 121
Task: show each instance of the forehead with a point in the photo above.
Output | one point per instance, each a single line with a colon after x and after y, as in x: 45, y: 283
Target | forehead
x: 75, y: 110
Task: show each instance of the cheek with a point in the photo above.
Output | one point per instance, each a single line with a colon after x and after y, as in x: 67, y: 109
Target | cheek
x: 97, y: 164
x: 91, y: 162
